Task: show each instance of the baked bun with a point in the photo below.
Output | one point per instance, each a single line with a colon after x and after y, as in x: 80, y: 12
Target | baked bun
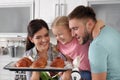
x: 23, y: 62
x: 58, y: 63
x: 40, y: 63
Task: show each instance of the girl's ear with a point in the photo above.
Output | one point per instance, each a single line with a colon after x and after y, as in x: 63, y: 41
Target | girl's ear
x: 30, y: 38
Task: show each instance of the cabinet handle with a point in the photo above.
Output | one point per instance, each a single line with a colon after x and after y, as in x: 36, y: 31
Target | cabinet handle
x: 57, y: 10
x: 63, y: 9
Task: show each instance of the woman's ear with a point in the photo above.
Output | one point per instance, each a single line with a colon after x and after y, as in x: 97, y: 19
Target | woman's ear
x: 30, y: 38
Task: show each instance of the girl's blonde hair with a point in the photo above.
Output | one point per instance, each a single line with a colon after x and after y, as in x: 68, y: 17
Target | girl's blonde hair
x: 61, y: 21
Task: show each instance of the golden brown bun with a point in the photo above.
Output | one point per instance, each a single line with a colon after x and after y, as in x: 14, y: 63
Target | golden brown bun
x: 39, y: 63
x: 58, y: 63
x: 23, y: 62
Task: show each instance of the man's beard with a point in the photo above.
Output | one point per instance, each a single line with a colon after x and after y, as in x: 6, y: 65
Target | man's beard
x: 86, y: 37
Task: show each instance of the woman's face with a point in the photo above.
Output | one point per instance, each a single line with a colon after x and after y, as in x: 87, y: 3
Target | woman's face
x: 62, y: 34
x: 41, y: 39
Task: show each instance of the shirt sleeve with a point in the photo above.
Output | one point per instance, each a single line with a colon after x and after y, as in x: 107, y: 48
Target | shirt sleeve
x: 98, y: 58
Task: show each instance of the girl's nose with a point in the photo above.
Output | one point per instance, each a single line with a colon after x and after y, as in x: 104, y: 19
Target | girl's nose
x: 57, y: 37
x: 73, y: 34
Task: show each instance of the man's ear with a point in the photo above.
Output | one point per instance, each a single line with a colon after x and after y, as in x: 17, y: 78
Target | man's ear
x: 89, y: 25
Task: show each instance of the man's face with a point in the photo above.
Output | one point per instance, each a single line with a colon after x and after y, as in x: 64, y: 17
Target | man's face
x: 79, y: 30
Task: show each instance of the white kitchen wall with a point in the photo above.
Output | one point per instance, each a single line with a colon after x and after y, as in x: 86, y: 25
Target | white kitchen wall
x: 108, y: 11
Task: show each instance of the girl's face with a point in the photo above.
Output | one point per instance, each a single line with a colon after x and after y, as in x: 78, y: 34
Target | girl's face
x: 62, y: 34
x: 41, y: 39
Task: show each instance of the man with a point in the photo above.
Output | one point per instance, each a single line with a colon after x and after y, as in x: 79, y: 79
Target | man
x: 104, y: 50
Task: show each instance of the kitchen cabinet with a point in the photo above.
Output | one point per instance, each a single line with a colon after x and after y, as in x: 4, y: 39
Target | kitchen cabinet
x: 14, y: 1
x: 108, y: 11
x: 15, y: 16
x: 49, y: 9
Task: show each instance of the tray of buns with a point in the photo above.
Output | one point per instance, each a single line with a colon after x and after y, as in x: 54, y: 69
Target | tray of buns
x: 50, y: 66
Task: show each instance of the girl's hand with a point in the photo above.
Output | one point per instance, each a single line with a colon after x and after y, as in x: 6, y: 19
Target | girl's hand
x: 100, y: 24
x: 69, y: 59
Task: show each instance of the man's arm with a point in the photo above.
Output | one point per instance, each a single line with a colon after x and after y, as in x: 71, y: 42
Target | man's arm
x: 99, y: 76
x: 98, y: 61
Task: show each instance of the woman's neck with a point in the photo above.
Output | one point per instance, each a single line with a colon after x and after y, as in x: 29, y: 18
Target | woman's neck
x: 43, y: 53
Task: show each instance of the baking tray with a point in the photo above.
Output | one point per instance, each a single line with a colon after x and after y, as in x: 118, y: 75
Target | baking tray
x: 11, y: 66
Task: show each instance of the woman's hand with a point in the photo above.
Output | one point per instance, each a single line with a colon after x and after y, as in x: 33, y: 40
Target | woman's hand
x: 66, y: 75
x: 35, y: 76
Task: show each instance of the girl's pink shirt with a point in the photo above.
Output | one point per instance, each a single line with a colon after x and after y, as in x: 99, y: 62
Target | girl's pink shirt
x: 74, y: 49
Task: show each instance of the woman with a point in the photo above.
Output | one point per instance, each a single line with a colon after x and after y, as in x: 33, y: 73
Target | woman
x: 38, y: 44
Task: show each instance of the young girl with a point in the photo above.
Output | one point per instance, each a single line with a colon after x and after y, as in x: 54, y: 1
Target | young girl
x: 70, y: 47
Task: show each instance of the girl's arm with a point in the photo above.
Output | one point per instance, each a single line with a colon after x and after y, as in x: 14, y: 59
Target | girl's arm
x: 99, y: 25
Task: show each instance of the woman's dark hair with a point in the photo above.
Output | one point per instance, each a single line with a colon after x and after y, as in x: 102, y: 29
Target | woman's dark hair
x: 82, y: 12
x: 33, y: 27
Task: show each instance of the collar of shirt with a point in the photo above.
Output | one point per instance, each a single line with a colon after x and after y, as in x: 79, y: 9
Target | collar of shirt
x: 34, y: 54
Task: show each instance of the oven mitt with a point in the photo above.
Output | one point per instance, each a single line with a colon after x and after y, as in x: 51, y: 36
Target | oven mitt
x: 76, y: 62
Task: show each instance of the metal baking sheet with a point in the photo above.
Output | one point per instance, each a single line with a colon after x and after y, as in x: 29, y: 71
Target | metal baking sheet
x: 11, y: 66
